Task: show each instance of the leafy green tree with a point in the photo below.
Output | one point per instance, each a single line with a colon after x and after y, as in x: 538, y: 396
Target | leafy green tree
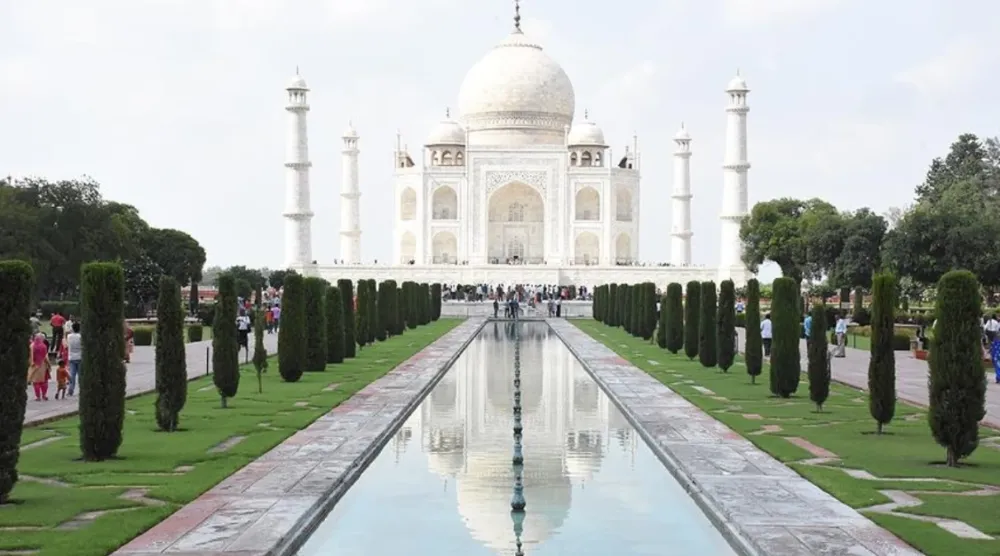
x: 17, y: 282
x: 882, y: 363
x: 225, y: 347
x: 142, y: 282
x: 292, y: 332
x: 259, y: 350
x: 708, y: 341
x: 177, y: 253
x: 778, y: 231
x: 968, y: 160
x: 726, y: 325
x: 957, y: 384
x: 334, y: 325
x: 692, y: 314
x: 315, y: 289
x: 171, y: 357
x: 818, y: 355
x: 753, y: 356
x: 102, y: 369
x: 276, y: 278
x: 786, y: 365
x: 674, y: 310
x: 346, y: 288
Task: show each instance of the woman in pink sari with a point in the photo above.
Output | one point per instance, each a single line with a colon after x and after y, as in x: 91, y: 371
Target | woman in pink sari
x: 38, y: 371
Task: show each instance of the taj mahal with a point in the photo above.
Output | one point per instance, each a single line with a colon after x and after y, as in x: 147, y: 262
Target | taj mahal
x: 515, y: 189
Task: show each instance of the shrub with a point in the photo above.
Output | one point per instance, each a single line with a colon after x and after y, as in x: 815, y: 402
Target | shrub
x: 65, y: 308
x: 17, y: 282
x: 692, y: 301
x: 708, y: 341
x: 225, y: 347
x: 334, y: 325
x: 861, y: 317
x: 206, y: 314
x: 818, y: 355
x: 753, y: 354
x: 674, y: 309
x: 346, y: 288
x: 613, y: 305
x: 259, y: 351
x: 292, y: 332
x: 786, y: 364
x: 102, y: 369
x: 315, y: 289
x: 436, y: 301
x: 901, y: 342
x: 882, y: 362
x: 726, y: 325
x: 171, y: 358
x: 143, y: 335
x: 740, y: 320
x: 957, y: 385
x: 195, y: 333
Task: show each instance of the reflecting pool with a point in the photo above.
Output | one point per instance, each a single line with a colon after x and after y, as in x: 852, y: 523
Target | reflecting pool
x: 443, y: 485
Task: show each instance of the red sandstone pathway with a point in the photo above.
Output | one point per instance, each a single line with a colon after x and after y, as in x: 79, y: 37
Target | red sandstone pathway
x: 911, y: 379
x: 140, y: 378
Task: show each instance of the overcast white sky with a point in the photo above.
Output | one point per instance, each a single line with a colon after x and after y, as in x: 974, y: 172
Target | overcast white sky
x: 176, y: 106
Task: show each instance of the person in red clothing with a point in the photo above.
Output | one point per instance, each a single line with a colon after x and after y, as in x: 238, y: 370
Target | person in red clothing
x: 57, y: 322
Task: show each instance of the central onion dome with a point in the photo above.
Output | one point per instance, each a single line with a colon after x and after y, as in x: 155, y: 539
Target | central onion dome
x: 515, y: 89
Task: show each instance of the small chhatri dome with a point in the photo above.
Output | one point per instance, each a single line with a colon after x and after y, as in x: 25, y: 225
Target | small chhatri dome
x: 737, y: 84
x: 586, y: 134
x: 683, y: 134
x: 297, y: 83
x: 447, y: 132
x: 350, y: 131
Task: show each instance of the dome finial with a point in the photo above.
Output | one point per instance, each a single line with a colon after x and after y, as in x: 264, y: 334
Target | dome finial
x: 447, y: 112
x: 517, y: 16
x: 586, y: 113
x: 296, y: 70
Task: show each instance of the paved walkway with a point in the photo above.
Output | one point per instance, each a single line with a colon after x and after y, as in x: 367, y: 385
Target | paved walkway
x: 761, y: 505
x: 911, y: 378
x: 140, y: 379
x: 265, y: 507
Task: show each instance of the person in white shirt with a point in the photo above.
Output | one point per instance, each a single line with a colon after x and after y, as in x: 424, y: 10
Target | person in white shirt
x: 74, y: 348
x: 243, y: 326
x: 841, y: 330
x: 766, y: 334
x: 991, y: 328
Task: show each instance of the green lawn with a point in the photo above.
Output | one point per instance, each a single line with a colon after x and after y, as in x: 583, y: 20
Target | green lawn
x: 159, y: 472
x: 907, y: 452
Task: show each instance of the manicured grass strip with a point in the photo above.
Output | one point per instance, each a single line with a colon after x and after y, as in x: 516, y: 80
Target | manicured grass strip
x: 844, y: 428
x: 159, y: 472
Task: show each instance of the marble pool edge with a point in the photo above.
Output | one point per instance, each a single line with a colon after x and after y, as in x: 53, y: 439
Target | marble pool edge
x: 755, y: 536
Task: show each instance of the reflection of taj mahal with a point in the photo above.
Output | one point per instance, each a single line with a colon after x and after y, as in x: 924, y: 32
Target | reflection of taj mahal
x: 518, y: 178
x: 464, y: 428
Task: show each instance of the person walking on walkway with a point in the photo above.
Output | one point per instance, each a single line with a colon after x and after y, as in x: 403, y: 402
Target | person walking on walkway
x: 74, y: 355
x: 39, y: 372
x: 995, y: 356
x: 57, y: 322
x: 766, y: 334
x: 841, y: 330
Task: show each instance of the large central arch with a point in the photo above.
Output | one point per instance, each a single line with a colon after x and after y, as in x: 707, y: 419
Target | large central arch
x: 516, y: 225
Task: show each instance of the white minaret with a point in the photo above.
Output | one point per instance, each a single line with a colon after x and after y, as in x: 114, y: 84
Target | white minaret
x: 734, y: 183
x: 298, y: 215
x: 350, y: 205
x: 680, y: 247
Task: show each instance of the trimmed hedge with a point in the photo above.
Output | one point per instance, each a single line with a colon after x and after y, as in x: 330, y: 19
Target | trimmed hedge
x: 171, y: 357
x: 143, y: 335
x: 957, y: 384
x: 882, y: 363
x: 726, y: 325
x: 315, y: 289
x: 225, y: 345
x: 65, y: 308
x: 195, y: 333
x: 708, y: 341
x: 292, y: 332
x: 786, y: 365
x: 102, y: 369
x: 674, y: 309
x: 753, y: 354
x: 692, y: 315
x: 818, y: 355
x: 17, y: 282
x: 346, y: 288
x: 334, y: 325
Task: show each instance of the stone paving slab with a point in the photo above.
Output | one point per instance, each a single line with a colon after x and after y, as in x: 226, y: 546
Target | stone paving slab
x: 761, y: 505
x: 269, y: 506
x: 140, y: 378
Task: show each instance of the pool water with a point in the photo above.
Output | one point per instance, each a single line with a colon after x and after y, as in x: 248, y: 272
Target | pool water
x: 443, y: 484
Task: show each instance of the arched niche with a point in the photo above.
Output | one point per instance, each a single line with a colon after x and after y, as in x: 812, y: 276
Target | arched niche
x: 586, y: 248
x: 588, y: 204
x: 408, y: 204
x: 407, y: 248
x: 623, y: 205
x: 623, y: 248
x: 516, y: 225
x: 444, y: 204
x: 445, y: 248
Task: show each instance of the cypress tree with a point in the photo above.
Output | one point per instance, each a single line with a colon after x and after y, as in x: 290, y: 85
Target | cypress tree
x: 753, y: 351
x: 957, y: 384
x: 171, y: 358
x: 436, y: 299
x: 225, y: 348
x: 374, y: 320
x: 315, y: 324
x: 334, y: 325
x: 193, y: 298
x: 382, y: 304
x: 845, y: 298
x: 636, y: 314
x: 596, y: 304
x: 708, y: 341
x: 786, y: 364
x: 292, y: 333
x: 692, y: 312
x: 413, y: 305
x: 364, y: 317
x: 648, y: 310
x: 621, y: 312
x: 674, y: 310
x: 661, y: 325
x: 102, y: 370
x: 425, y: 303
x: 626, y: 311
x: 259, y: 351
x: 859, y: 301
x: 400, y: 310
x: 726, y: 325
x: 346, y: 288
x: 613, y: 305
x: 392, y: 308
x: 882, y: 362
x: 818, y: 355
x: 17, y: 282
